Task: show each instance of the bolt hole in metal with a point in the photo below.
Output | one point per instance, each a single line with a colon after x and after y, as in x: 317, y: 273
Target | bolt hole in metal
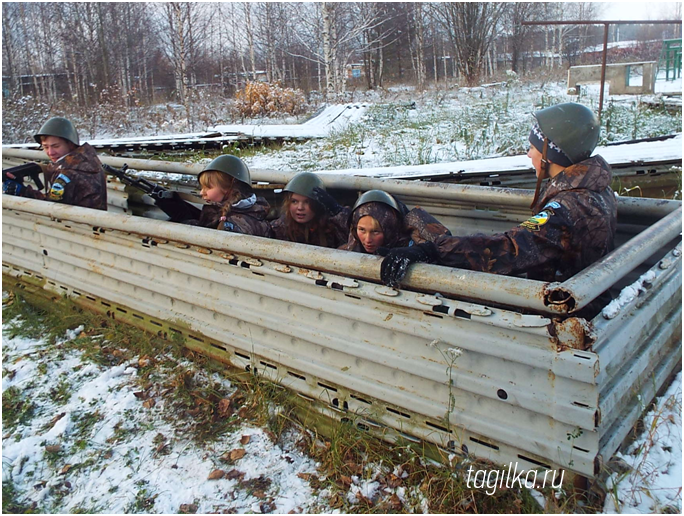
x: 502, y: 394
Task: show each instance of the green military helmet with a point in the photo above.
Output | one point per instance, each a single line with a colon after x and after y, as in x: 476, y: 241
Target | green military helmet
x: 377, y: 196
x: 231, y: 165
x: 58, y: 126
x: 572, y: 127
x: 304, y: 184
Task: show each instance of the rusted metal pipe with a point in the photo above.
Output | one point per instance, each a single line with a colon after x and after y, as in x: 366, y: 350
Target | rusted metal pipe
x: 505, y: 290
x: 479, y: 195
x: 585, y: 286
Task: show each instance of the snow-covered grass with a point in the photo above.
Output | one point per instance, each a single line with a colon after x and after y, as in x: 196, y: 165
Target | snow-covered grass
x: 650, y: 479
x: 457, y: 125
x: 103, y: 430
x: 102, y: 418
x: 96, y: 421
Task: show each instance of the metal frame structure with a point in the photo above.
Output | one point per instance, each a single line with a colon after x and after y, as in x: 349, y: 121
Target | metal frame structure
x: 470, y: 363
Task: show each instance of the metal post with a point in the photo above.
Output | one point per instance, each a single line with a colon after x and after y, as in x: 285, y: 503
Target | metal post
x: 606, y: 24
x: 603, y: 67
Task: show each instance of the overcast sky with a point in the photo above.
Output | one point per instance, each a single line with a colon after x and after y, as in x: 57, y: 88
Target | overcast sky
x: 636, y: 10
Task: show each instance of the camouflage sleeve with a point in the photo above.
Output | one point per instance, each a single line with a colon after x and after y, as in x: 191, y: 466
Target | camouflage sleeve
x: 537, y: 243
x: 278, y: 228
x: 340, y: 226
x: 63, y: 189
x: 31, y: 193
x: 88, y: 191
x: 423, y: 227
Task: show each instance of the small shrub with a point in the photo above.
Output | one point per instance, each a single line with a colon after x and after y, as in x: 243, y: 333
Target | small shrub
x: 264, y: 99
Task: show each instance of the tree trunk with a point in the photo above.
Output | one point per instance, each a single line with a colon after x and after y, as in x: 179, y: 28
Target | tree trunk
x: 328, y: 57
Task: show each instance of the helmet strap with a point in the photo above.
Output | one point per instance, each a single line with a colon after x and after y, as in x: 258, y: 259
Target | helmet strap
x: 542, y: 173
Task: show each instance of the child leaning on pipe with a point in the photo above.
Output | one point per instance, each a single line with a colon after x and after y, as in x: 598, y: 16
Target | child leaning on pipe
x: 74, y: 175
x: 226, y: 187
x: 310, y: 215
x: 378, y: 221
x: 576, y: 211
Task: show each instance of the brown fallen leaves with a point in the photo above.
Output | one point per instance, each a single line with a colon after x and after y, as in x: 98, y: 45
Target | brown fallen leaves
x: 233, y: 455
x: 233, y: 474
x: 217, y: 474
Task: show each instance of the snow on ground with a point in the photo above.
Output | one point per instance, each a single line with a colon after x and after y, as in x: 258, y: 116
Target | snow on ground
x: 102, y: 450
x: 135, y: 463
x: 653, y: 482
x: 670, y: 149
x: 333, y: 117
x: 98, y: 448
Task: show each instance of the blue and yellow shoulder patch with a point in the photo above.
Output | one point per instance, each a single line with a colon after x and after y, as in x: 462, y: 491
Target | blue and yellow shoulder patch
x: 57, y: 189
x: 535, y: 222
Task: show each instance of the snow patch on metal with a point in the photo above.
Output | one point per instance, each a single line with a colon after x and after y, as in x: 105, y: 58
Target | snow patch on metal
x: 628, y: 294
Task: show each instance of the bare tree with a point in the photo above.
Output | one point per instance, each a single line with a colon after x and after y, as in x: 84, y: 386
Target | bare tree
x: 9, y: 44
x: 519, y: 34
x: 470, y: 27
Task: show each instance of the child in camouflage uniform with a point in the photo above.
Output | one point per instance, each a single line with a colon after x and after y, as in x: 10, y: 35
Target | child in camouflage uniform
x: 310, y: 215
x: 378, y: 221
x: 74, y: 176
x: 576, y: 212
x: 231, y: 203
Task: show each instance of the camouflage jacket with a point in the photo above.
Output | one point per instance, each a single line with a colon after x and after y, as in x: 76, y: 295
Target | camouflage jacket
x: 333, y: 234
x: 248, y: 221
x: 418, y: 226
x: 574, y: 226
x: 77, y: 179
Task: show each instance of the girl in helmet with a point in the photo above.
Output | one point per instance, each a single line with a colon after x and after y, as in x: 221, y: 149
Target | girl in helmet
x: 310, y: 215
x: 379, y: 221
x: 231, y: 203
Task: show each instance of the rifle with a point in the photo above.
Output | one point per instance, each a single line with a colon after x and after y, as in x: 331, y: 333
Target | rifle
x: 168, y: 201
x: 26, y: 170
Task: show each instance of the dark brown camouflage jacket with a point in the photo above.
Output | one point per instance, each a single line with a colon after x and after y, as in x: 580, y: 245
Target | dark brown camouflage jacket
x: 574, y: 226
x: 333, y: 235
x: 248, y: 221
x: 77, y: 179
x: 417, y: 226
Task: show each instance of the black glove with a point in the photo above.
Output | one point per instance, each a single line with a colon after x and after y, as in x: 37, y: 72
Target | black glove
x: 12, y: 187
x: 326, y: 200
x: 397, y: 260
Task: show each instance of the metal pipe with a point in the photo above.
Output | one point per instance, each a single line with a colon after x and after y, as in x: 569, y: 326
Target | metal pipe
x: 602, y: 22
x: 505, y: 290
x: 479, y: 195
x: 585, y: 286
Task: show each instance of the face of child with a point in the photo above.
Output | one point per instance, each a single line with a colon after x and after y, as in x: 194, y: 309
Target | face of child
x: 213, y: 193
x: 369, y: 234
x: 300, y: 209
x: 56, y: 147
x: 536, y: 158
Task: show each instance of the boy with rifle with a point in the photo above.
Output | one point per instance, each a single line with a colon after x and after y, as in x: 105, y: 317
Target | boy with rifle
x: 74, y: 176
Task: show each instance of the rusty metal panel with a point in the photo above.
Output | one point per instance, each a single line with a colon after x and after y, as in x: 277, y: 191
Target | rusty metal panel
x: 638, y: 342
x: 450, y: 372
x: 508, y: 378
